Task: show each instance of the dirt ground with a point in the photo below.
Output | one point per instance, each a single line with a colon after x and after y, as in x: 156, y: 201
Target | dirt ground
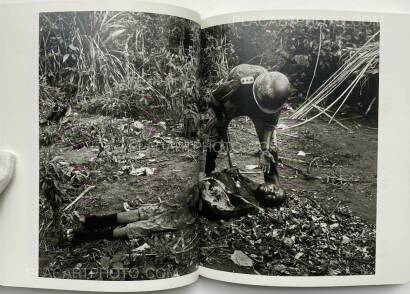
x: 345, y: 161
x: 327, y: 227
x: 330, y: 151
x: 126, y: 146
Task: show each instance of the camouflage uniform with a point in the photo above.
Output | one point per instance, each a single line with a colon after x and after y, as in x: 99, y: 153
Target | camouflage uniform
x: 233, y: 99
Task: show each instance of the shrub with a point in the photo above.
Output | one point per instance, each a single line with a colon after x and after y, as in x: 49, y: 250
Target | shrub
x: 126, y: 56
x: 289, y: 46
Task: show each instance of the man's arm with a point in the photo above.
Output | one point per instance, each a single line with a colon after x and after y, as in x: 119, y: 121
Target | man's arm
x: 266, y: 158
x: 266, y: 139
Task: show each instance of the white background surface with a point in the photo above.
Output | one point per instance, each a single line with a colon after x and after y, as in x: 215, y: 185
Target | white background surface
x: 213, y: 7
x: 205, y: 286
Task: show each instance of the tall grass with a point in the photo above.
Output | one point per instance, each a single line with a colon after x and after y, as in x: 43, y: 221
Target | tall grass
x: 137, y: 57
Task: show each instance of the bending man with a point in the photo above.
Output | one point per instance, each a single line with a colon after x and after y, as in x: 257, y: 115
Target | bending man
x: 249, y: 90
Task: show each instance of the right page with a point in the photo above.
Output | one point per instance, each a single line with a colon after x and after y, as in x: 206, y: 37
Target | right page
x: 305, y: 171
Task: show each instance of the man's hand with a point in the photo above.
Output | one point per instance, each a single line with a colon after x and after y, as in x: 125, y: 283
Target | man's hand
x: 265, y: 161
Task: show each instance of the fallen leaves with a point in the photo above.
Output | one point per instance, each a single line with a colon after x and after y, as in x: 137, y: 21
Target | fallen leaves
x: 141, y: 248
x: 241, y: 259
x: 289, y: 242
x: 251, y: 166
x: 301, y: 153
x: 299, y: 255
x: 345, y: 240
x: 297, y: 239
x: 139, y: 155
x: 142, y: 171
x: 138, y: 125
x: 131, y: 155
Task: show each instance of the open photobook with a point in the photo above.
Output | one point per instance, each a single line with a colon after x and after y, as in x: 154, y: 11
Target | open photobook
x: 151, y: 147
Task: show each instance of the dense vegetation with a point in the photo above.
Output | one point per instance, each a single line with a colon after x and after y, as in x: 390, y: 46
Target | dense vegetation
x: 291, y: 47
x: 124, y: 62
x: 113, y: 90
x: 125, y: 83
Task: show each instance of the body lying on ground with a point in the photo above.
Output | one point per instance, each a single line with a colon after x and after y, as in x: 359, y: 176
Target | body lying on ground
x: 249, y: 90
x: 214, y: 197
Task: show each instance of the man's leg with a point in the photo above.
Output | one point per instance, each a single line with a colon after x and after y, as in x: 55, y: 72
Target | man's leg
x: 95, y: 222
x: 83, y: 235
x: 213, y: 131
x: 98, y: 226
x: 143, y: 212
x: 211, y: 155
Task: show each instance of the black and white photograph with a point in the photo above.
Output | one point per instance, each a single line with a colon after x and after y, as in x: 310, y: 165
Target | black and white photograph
x: 117, y: 162
x: 248, y: 147
x: 290, y: 155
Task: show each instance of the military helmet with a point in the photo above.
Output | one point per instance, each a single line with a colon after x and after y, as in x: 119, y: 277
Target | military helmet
x: 270, y: 91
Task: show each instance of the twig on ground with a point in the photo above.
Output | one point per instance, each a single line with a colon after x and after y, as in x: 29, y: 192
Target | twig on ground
x: 215, y: 246
x: 370, y: 106
x: 329, y: 116
x: 325, y: 179
x: 336, y: 207
x: 292, y: 159
x: 279, y: 133
x: 187, y: 247
x: 79, y: 197
x: 323, y: 210
x: 288, y: 135
x: 256, y: 172
x: 302, y: 172
x: 311, y: 163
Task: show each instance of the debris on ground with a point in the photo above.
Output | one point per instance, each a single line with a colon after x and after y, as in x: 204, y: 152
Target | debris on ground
x: 241, y: 259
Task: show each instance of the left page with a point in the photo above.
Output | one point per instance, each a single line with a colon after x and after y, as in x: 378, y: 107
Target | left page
x: 102, y: 100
